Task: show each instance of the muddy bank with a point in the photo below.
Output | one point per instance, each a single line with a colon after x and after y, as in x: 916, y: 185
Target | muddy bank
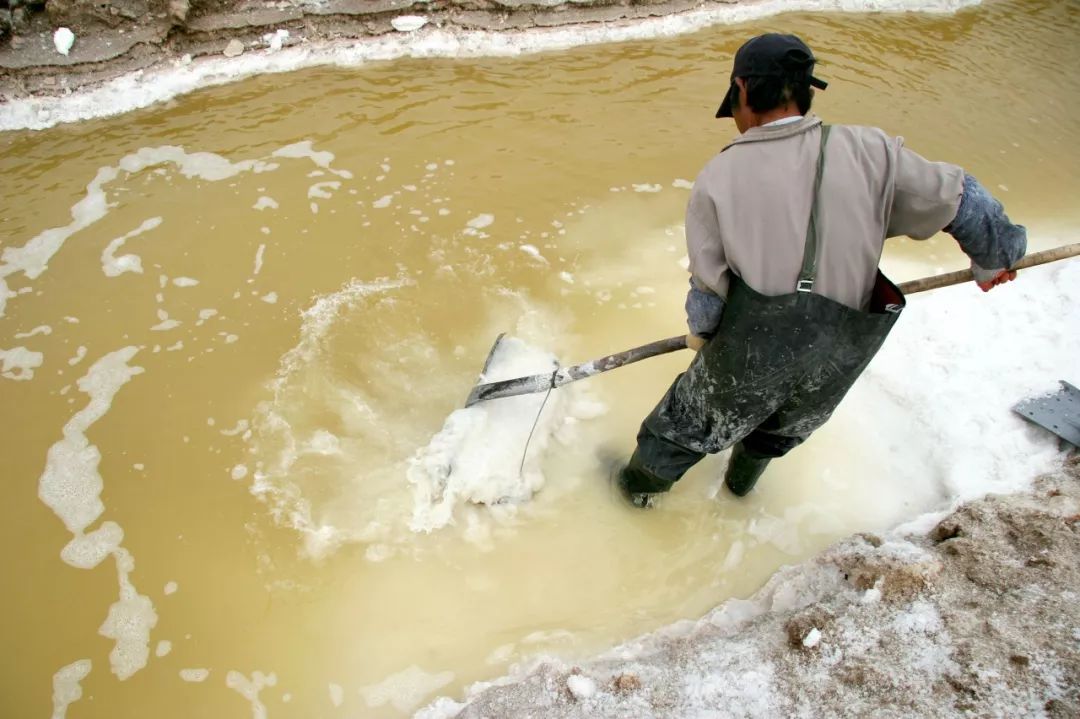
x: 977, y: 617
x: 122, y: 36
x: 100, y: 41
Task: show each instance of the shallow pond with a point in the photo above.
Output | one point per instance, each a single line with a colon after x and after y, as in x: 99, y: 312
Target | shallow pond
x: 310, y: 268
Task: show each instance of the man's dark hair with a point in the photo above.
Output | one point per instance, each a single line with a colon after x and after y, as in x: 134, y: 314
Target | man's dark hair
x: 767, y: 93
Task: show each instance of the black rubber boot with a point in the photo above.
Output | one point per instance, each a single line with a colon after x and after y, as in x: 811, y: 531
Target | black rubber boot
x: 743, y: 470
x: 624, y: 479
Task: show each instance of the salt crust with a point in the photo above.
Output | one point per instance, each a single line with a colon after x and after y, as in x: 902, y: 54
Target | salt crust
x: 144, y: 88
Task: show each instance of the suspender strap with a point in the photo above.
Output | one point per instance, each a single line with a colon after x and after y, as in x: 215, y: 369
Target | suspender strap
x: 809, y: 264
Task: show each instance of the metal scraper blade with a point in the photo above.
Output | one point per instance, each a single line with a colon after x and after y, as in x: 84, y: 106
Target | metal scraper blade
x: 1058, y: 412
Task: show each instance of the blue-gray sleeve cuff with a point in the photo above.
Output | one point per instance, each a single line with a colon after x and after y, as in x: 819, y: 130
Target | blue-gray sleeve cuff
x: 984, y: 231
x: 703, y: 311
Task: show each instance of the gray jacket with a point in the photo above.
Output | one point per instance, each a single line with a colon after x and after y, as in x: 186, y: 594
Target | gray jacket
x: 749, y: 208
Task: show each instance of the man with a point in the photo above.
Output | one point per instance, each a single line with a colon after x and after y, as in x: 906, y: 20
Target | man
x: 786, y: 305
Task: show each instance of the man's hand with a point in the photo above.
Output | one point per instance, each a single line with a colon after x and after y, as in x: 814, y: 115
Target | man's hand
x: 696, y: 343
x: 989, y: 279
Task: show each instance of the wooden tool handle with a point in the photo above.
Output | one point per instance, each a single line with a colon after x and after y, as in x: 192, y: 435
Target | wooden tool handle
x: 565, y: 375
x: 956, y: 278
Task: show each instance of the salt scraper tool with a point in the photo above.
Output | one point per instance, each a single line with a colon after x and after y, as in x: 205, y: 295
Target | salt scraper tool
x: 565, y: 375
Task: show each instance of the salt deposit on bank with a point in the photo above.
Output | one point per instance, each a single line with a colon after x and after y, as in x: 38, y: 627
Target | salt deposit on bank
x: 144, y: 88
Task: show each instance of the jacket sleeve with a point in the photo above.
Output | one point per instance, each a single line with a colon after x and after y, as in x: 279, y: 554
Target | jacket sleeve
x: 708, y: 266
x: 985, y: 233
x: 703, y: 311
x: 925, y: 196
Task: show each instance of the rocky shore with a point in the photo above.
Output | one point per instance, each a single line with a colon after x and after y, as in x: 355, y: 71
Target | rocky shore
x: 115, y: 37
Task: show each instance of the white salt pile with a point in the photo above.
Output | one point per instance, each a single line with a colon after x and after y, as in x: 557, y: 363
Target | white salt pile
x: 479, y: 456
x: 63, y: 39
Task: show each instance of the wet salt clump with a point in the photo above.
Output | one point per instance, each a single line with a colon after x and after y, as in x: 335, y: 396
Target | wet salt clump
x: 479, y: 457
x: 408, y: 23
x: 63, y: 39
x: 581, y: 687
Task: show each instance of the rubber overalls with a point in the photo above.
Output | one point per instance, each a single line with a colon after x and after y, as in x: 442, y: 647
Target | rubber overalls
x: 774, y: 372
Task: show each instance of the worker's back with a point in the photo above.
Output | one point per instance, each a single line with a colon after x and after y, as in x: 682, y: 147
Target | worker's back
x: 756, y: 196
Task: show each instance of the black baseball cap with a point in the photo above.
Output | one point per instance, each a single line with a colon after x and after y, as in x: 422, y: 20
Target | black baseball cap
x: 771, y: 55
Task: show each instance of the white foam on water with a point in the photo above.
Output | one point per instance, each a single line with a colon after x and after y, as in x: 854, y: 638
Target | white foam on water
x: 80, y: 353
x: 144, y: 88
x: 185, y: 281
x: 86, y: 551
x: 478, y: 457
x: 19, y: 363
x: 67, y: 688
x: 323, y: 190
x: 39, y: 330
x: 258, y: 260
x: 71, y: 486
x: 239, y: 428
x: 481, y: 221
x: 406, y: 690
x: 264, y: 203
x: 273, y: 482
x: 270, y: 298
x: 194, y: 675
x: 324, y: 312
x: 534, y: 252
x: 321, y: 158
x: 114, y: 266
x: 170, y: 588
x: 165, y: 324
x: 163, y: 648
x: 250, y: 688
x: 129, y: 622
x: 32, y: 258
x: 332, y: 490
x: 337, y: 694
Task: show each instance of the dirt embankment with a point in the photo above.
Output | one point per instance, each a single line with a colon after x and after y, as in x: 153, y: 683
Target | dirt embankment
x: 980, y: 617
x: 113, y: 37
